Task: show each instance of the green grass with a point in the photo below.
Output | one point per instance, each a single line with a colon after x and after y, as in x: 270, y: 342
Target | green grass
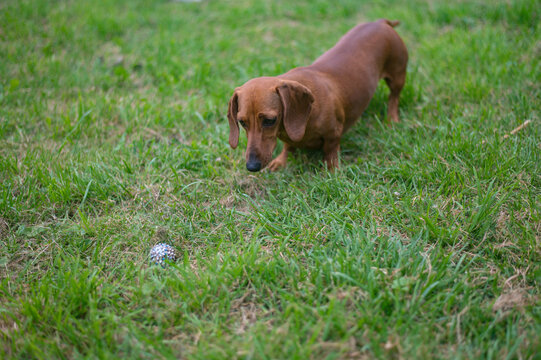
x: 113, y: 137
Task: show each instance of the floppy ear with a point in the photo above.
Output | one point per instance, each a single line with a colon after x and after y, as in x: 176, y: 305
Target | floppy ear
x: 297, y: 102
x: 232, y: 117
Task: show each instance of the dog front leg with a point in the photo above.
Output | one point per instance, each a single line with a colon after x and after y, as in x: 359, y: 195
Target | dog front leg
x: 281, y: 160
x: 330, y: 153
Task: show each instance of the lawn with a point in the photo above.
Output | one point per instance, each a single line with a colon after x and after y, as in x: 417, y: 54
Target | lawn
x: 425, y: 243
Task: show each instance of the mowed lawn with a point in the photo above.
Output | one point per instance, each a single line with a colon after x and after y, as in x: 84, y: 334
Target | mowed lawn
x: 113, y: 138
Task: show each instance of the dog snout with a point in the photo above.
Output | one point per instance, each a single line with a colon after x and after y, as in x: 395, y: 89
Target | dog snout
x: 253, y: 164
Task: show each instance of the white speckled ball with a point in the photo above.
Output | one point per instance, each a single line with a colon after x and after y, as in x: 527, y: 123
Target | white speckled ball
x: 161, y: 252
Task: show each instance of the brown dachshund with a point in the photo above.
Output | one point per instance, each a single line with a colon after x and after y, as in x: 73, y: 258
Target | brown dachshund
x: 311, y: 107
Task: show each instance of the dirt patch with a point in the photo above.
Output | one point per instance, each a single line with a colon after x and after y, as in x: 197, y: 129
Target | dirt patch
x: 513, y: 299
x: 251, y: 186
x: 245, y: 311
x: 4, y: 229
x: 228, y: 201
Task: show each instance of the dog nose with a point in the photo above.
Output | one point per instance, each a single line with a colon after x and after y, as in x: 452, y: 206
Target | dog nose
x: 253, y: 165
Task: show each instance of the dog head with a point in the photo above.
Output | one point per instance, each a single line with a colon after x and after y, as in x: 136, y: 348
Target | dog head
x: 267, y: 107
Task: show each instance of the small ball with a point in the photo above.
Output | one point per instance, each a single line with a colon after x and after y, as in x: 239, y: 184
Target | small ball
x: 162, y: 252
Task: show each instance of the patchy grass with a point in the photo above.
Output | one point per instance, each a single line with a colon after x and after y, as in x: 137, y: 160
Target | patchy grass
x: 426, y: 242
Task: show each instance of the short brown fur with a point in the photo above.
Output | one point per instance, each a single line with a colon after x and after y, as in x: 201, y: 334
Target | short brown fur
x: 312, y: 106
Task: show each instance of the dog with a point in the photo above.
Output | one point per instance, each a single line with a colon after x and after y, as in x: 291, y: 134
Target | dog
x: 311, y: 107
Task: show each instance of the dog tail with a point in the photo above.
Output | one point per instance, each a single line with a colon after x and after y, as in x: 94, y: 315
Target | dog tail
x: 391, y: 23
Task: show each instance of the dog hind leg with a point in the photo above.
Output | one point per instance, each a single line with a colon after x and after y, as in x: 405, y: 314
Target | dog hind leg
x: 395, y: 85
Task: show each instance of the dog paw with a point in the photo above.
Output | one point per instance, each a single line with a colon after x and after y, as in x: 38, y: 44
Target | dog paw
x: 276, y: 164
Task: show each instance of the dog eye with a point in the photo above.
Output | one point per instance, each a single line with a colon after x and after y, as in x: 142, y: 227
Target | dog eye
x: 243, y: 123
x: 268, y: 122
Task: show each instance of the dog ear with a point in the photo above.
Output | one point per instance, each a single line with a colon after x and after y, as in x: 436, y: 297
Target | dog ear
x: 297, y: 102
x: 232, y: 117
